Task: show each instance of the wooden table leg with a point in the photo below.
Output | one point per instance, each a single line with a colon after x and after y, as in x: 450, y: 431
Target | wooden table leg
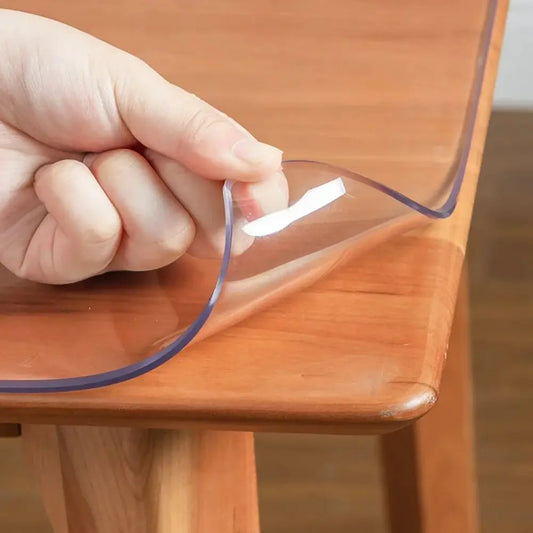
x: 429, y: 466
x: 117, y: 480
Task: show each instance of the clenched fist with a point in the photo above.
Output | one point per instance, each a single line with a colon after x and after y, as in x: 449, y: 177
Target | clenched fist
x: 105, y: 165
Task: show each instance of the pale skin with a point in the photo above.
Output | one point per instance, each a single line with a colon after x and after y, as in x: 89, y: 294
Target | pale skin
x: 105, y: 165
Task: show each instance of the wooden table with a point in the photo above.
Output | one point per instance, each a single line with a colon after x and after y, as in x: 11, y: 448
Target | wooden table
x: 360, y: 352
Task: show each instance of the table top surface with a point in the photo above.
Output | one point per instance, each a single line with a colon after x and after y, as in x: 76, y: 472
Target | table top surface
x: 362, y: 349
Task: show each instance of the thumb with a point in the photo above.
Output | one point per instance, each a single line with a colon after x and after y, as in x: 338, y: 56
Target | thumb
x: 181, y: 126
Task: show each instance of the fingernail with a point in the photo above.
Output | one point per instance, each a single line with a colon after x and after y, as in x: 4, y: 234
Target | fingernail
x: 260, y: 198
x: 253, y: 152
x: 283, y: 185
x: 272, y: 193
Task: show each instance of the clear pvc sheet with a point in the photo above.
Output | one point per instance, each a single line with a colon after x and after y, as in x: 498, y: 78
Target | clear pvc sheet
x: 88, y: 335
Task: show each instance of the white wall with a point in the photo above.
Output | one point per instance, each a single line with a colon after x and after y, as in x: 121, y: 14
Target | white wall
x: 514, y: 87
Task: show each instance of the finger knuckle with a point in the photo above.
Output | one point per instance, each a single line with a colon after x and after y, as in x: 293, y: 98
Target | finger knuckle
x: 200, y: 125
x: 175, y: 241
x: 102, y: 231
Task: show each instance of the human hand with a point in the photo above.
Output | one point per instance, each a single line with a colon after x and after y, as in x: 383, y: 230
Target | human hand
x: 104, y: 165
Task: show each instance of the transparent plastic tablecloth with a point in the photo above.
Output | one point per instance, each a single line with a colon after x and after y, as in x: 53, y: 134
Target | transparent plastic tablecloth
x: 85, y: 335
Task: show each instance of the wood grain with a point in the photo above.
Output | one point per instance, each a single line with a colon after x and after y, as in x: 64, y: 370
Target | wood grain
x: 429, y: 465
x: 144, y: 481
x: 335, y: 480
x: 362, y: 350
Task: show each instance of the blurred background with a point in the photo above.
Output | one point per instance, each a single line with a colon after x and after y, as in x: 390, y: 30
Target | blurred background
x: 336, y: 479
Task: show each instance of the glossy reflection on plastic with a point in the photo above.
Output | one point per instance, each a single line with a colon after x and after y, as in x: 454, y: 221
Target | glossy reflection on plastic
x: 330, y: 215
x: 102, y: 331
x: 118, y: 326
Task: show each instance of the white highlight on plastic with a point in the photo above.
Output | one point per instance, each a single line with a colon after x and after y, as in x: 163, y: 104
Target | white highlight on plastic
x: 313, y: 200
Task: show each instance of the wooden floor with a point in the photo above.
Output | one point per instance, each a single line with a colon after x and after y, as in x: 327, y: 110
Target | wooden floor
x: 317, y: 484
